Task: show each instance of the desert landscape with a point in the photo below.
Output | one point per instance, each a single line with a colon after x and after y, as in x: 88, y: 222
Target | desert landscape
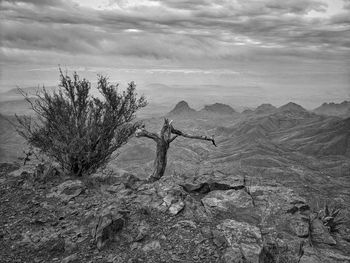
x: 173, y: 131
x: 256, y: 197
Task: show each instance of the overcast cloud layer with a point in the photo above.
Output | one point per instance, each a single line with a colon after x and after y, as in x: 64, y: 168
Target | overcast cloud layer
x: 285, y: 47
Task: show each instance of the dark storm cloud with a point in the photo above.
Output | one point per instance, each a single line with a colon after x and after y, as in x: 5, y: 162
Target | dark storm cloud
x: 173, y: 29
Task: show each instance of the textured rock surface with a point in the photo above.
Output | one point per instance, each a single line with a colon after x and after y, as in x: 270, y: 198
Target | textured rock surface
x: 106, y: 225
x: 68, y: 190
x: 320, y: 233
x: 244, y: 237
x: 227, y: 200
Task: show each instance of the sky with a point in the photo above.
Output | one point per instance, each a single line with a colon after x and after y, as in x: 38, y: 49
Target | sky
x: 239, y: 51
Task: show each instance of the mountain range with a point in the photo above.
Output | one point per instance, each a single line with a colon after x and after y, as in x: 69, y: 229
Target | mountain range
x: 334, y: 109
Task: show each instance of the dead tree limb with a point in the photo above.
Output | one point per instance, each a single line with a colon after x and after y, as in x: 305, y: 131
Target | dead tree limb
x: 163, y: 141
x: 190, y: 136
x: 144, y: 133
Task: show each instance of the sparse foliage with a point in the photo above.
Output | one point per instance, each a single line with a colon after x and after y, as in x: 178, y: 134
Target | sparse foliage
x: 330, y: 216
x: 78, y: 130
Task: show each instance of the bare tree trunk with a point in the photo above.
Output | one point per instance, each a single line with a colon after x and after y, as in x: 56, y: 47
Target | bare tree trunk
x: 161, y: 160
x: 163, y: 142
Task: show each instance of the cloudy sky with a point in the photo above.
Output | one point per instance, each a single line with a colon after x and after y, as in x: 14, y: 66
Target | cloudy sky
x: 269, y: 50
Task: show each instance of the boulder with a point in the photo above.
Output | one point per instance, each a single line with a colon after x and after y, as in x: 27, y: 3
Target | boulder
x: 232, y: 255
x: 162, y: 196
x: 284, y: 215
x: 176, y: 208
x: 106, y: 225
x: 320, y: 234
x: 224, y: 200
x: 244, y: 237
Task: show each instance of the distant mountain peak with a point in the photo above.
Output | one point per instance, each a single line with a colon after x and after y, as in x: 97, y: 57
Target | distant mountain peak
x: 265, y: 108
x: 334, y: 109
x: 219, y: 108
x: 247, y: 111
x: 182, y: 107
x: 291, y: 106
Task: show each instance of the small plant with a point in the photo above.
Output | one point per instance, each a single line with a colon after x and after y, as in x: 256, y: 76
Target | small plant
x: 331, y: 218
x: 78, y: 130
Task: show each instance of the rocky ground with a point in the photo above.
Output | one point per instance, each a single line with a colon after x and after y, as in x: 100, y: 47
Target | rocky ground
x: 116, y: 217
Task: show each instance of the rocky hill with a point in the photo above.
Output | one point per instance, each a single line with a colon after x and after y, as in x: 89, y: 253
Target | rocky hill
x: 292, y: 109
x: 218, y: 108
x: 258, y: 126
x: 321, y: 138
x: 334, y: 109
x: 15, y: 94
x: 11, y: 143
x: 247, y: 111
x: 265, y: 108
x: 20, y: 107
x: 182, y: 108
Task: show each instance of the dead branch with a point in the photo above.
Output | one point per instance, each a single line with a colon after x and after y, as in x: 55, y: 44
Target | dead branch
x: 199, y: 137
x: 144, y: 133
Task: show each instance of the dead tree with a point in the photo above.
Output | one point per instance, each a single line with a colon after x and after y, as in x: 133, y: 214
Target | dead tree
x: 167, y: 135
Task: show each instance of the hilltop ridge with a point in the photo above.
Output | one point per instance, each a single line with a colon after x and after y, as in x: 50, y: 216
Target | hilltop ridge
x: 334, y: 109
x: 180, y: 108
x: 291, y: 106
x: 219, y: 108
x: 265, y: 108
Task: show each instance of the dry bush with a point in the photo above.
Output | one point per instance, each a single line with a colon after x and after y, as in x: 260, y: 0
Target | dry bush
x: 78, y: 130
x: 331, y: 218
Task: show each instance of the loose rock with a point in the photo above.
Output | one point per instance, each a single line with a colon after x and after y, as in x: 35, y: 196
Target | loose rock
x: 68, y: 190
x: 70, y: 259
x: 153, y: 245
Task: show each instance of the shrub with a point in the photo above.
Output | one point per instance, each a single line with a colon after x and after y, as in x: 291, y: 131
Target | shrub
x: 78, y: 130
x: 331, y: 218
